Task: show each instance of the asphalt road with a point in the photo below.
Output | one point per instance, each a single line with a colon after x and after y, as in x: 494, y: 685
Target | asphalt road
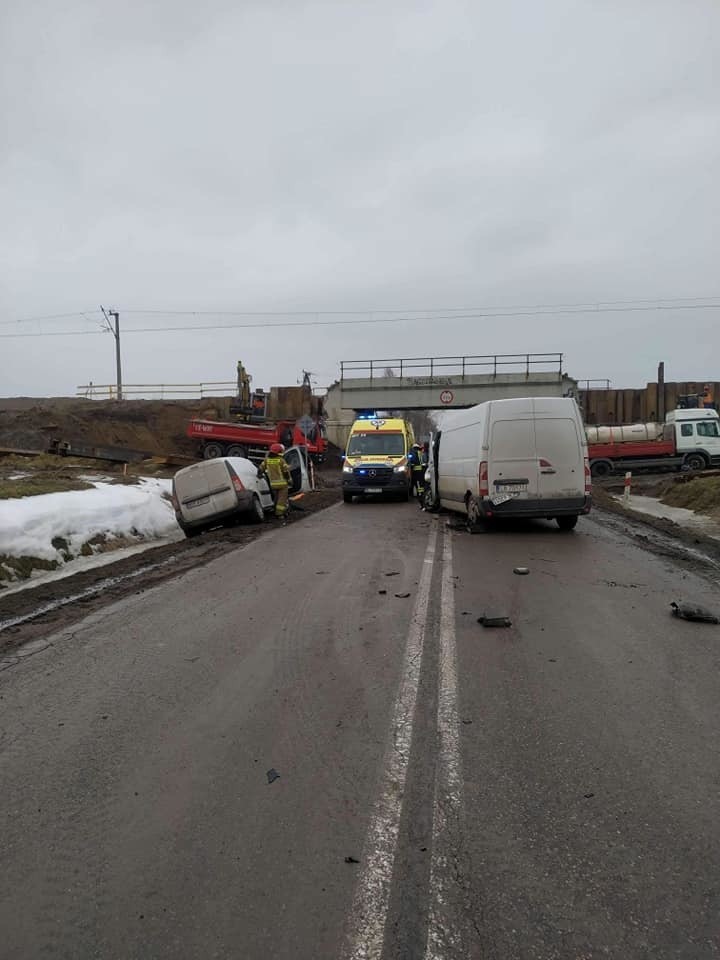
x: 550, y: 790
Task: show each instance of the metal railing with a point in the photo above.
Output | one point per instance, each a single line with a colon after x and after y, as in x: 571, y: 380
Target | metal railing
x: 421, y: 367
x: 161, y: 391
x: 597, y: 384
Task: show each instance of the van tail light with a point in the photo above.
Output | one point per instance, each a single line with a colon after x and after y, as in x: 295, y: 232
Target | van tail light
x: 588, y: 477
x: 174, y: 500
x: 236, y: 481
x: 545, y: 463
x: 483, y: 479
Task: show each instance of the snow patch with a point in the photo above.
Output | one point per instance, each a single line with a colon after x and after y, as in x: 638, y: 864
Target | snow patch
x: 28, y: 526
x: 679, y: 515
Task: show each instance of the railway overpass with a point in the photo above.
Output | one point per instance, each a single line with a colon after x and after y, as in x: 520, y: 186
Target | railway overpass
x: 440, y: 383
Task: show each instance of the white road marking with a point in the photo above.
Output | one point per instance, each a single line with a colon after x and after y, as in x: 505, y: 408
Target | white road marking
x: 368, y: 914
x: 445, y: 937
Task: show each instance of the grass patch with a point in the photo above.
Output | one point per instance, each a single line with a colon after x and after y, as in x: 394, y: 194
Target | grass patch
x: 20, y: 568
x: 34, y: 486
x: 699, y: 494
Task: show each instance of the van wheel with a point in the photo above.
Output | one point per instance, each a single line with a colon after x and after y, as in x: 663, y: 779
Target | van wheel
x: 474, y: 516
x: 257, y: 514
x: 347, y: 498
x: 236, y: 450
x: 212, y: 451
x: 567, y: 523
x: 191, y: 532
x: 695, y: 461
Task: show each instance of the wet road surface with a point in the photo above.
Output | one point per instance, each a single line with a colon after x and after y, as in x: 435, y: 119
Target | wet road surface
x: 544, y: 791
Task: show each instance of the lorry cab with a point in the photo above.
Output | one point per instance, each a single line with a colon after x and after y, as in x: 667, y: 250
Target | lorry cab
x: 697, y: 435
x: 376, y: 458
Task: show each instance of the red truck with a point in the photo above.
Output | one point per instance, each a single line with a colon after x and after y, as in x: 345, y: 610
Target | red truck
x: 253, y: 440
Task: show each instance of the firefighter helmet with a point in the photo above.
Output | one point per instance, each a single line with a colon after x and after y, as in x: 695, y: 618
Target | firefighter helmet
x: 277, y: 448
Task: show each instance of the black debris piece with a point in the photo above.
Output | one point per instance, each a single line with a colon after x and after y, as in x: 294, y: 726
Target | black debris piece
x: 689, y: 611
x: 521, y: 571
x: 272, y: 775
x: 495, y: 621
x: 393, y: 573
x: 351, y: 860
x: 402, y: 596
x: 382, y: 591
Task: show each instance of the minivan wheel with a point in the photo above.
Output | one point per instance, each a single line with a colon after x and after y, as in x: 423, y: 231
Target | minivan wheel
x: 567, y: 523
x: 257, y: 514
x: 347, y: 498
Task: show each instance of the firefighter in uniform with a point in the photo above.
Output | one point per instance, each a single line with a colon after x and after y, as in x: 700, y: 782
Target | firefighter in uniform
x: 278, y: 474
x: 417, y: 469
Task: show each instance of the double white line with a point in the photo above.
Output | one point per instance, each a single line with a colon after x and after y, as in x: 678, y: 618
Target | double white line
x: 368, y: 915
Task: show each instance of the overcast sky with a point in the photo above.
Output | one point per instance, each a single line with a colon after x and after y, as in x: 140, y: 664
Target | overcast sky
x: 370, y: 155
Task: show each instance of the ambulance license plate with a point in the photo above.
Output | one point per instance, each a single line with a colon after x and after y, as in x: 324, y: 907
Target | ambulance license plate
x: 500, y: 498
x: 197, y: 503
x: 373, y: 489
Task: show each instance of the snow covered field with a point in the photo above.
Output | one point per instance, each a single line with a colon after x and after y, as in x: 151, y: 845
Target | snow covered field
x: 56, y: 528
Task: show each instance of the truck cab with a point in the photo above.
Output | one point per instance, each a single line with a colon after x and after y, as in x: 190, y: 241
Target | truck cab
x: 697, y: 436
x: 376, y: 459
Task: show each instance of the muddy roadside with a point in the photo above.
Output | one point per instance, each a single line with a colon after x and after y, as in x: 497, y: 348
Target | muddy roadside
x: 690, y: 548
x: 35, y: 612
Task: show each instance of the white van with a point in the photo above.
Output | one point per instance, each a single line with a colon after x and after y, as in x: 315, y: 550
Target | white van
x: 513, y: 458
x: 221, y: 491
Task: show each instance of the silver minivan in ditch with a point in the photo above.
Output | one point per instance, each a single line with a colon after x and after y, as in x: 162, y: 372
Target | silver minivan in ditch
x: 222, y: 491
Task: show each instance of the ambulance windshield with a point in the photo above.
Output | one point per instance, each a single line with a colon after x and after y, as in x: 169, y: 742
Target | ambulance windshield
x: 376, y: 444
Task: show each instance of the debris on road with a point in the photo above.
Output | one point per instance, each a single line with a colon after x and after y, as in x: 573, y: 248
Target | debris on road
x: 272, y: 775
x: 521, y: 571
x: 402, y: 596
x: 393, y: 573
x: 689, y: 611
x: 495, y: 621
x: 351, y: 860
x: 588, y: 796
x: 382, y: 591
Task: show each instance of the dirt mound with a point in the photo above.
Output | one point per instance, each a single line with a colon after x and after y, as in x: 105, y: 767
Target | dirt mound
x: 701, y: 494
x: 156, y: 426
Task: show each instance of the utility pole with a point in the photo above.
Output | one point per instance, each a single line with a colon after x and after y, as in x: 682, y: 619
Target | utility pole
x: 115, y: 331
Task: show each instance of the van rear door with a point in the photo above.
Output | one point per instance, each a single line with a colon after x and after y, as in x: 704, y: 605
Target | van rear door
x: 204, y: 490
x: 513, y: 464
x: 561, y: 467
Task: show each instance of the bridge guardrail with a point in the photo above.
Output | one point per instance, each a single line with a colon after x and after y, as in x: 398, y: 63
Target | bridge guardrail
x: 527, y: 363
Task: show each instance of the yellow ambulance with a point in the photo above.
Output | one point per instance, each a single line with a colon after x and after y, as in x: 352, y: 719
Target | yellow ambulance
x: 376, y: 459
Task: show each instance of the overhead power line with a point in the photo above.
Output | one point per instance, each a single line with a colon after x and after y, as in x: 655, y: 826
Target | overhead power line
x: 545, y: 312
x: 659, y: 303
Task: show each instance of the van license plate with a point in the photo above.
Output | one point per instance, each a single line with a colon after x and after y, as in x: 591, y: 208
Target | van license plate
x: 501, y: 487
x: 501, y: 498
x: 197, y: 503
x: 373, y: 490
